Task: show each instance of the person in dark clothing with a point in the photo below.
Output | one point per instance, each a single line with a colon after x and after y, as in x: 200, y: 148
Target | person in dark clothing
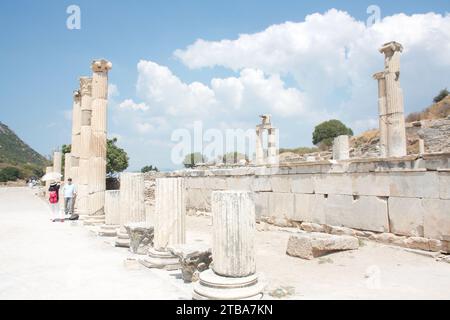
x: 53, y: 198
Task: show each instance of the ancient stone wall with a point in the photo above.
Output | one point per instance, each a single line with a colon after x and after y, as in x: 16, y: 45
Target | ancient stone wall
x: 408, y: 196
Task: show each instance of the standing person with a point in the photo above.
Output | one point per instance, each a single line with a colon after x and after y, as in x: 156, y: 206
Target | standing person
x: 53, y: 198
x: 70, y: 193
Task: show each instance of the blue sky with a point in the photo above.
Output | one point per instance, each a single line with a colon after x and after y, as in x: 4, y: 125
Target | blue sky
x: 41, y: 61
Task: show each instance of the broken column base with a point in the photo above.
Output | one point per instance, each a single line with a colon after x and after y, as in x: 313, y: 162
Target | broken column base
x: 92, y: 220
x: 161, y: 260
x: 123, y: 240
x: 212, y: 286
x: 108, y: 230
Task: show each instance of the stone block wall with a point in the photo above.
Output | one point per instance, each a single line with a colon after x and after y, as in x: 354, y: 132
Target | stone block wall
x: 398, y: 196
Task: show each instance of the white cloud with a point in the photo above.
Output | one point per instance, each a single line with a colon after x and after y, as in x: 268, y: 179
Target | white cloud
x: 113, y: 91
x: 130, y: 104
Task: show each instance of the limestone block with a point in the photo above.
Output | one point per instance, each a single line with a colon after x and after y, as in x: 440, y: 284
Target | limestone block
x: 261, y: 183
x: 281, y: 205
x: 261, y: 204
x: 340, y: 231
x: 199, y: 199
x: 216, y: 183
x: 444, y: 185
x: 312, y: 245
x: 280, y: 183
x: 406, y: 216
x: 195, y: 182
x: 423, y: 244
x: 361, y: 212
x: 310, y: 208
x: 243, y: 183
x: 414, y: 184
x: 302, y: 183
x: 194, y: 258
x: 333, y: 184
x: 437, y: 218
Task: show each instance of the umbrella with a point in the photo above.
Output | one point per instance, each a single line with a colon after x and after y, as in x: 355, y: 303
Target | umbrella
x: 51, y: 176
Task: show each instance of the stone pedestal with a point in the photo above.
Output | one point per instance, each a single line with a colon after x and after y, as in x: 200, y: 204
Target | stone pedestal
x: 131, y: 202
x: 341, y: 148
x: 170, y: 223
x: 233, y: 275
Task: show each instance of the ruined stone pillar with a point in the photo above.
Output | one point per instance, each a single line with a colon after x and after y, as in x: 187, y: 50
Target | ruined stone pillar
x: 382, y: 112
x: 57, y: 162
x: 97, y: 177
x: 272, y: 148
x: 233, y: 275
x: 395, y: 120
x: 170, y: 227
x: 84, y: 150
x: 341, y: 148
x: 67, y: 166
x: 132, y: 205
x: 76, y: 138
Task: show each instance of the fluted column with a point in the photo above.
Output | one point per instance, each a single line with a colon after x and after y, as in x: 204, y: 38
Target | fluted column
x: 57, y: 162
x: 97, y: 182
x: 76, y: 138
x: 67, y: 165
x: 170, y: 227
x: 259, y: 150
x: 341, y: 148
x: 233, y: 275
x: 112, y: 207
x: 272, y: 148
x: 382, y: 112
x: 233, y: 233
x: 85, y: 139
x: 396, y: 134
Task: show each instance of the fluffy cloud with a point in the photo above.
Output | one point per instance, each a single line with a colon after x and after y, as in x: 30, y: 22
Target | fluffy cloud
x: 301, y: 72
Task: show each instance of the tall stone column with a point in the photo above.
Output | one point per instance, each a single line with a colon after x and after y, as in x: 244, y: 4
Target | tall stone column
x: 67, y: 165
x: 233, y: 275
x: 76, y: 138
x: 57, y: 162
x: 132, y: 204
x: 112, y: 214
x: 84, y: 150
x: 170, y: 227
x: 272, y: 148
x: 382, y: 112
x: 97, y: 181
x: 390, y: 82
x: 341, y: 148
x: 259, y: 150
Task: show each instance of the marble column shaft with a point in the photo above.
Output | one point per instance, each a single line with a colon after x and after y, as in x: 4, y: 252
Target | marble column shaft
x: 170, y: 209
x: 112, y: 207
x: 131, y: 198
x: 233, y: 233
x: 98, y: 143
x: 67, y: 165
x: 85, y: 139
x: 341, y: 148
x: 76, y: 136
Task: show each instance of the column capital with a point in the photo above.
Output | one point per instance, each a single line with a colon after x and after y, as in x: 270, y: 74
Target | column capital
x: 390, y: 47
x: 85, y: 85
x: 101, y: 65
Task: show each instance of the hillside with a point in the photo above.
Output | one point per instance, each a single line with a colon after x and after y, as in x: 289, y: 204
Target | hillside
x: 16, y: 153
x: 432, y: 125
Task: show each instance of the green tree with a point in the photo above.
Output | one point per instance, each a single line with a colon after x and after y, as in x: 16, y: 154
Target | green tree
x: 234, y: 157
x: 9, y: 174
x: 149, y: 168
x: 325, y: 132
x: 442, y: 94
x: 192, y: 159
x: 116, y: 158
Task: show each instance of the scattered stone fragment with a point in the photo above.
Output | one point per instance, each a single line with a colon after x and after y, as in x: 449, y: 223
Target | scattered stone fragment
x: 194, y: 259
x: 141, y: 237
x: 312, y: 227
x: 312, y: 245
x: 282, y: 291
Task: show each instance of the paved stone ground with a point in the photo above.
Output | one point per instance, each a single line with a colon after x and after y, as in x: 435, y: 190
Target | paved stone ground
x: 40, y: 259
x: 44, y: 260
